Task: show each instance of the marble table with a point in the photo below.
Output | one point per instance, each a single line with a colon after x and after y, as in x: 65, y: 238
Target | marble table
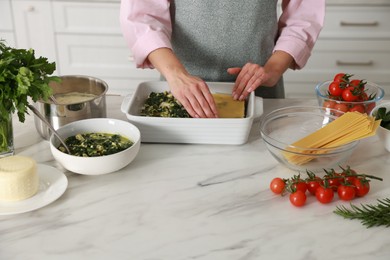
x: 156, y: 209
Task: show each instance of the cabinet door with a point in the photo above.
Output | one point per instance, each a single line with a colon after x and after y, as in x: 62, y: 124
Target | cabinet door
x: 86, y: 17
x: 5, y: 16
x: 6, y: 27
x: 34, y: 27
x: 103, y: 56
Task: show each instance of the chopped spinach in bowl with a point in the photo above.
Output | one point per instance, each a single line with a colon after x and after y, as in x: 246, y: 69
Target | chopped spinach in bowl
x: 384, y: 115
x: 95, y: 144
x: 163, y: 104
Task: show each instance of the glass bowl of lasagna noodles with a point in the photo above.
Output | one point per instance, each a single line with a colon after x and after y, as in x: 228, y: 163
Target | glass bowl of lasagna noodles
x: 282, y: 130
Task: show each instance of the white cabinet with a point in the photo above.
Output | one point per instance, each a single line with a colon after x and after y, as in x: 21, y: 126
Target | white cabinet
x: 89, y: 42
x: 82, y: 37
x: 6, y: 24
x: 34, y: 27
x: 355, y: 40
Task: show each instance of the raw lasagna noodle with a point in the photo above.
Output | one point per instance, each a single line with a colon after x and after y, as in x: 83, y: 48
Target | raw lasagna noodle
x: 349, y: 127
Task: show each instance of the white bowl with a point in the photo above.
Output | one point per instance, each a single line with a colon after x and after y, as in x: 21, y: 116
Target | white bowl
x: 383, y: 133
x: 101, y: 164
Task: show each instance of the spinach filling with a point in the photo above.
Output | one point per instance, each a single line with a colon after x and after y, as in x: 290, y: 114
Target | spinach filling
x: 163, y: 104
x: 95, y: 144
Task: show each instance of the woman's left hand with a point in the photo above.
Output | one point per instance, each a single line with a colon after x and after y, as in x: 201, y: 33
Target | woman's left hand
x: 252, y: 76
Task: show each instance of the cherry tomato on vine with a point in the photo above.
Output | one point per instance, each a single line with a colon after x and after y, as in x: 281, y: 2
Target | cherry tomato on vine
x: 328, y: 104
x: 313, y: 184
x: 346, y: 192
x: 277, y: 185
x: 362, y: 186
x: 357, y: 83
x: 358, y: 108
x: 349, y: 94
x: 334, y: 183
x: 298, y: 198
x: 341, y: 107
x: 342, y: 77
x: 335, y: 89
x: 299, y: 185
x: 324, y: 194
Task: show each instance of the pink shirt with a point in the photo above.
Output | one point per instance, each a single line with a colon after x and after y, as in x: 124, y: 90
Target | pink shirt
x: 146, y: 26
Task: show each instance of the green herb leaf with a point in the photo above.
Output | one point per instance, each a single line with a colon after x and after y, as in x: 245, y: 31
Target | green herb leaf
x: 369, y: 215
x: 22, y: 76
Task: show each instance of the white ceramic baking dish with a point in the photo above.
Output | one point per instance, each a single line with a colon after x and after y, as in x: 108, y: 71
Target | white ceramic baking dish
x: 189, y: 130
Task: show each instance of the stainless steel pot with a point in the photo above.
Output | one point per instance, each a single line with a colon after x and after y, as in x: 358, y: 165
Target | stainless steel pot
x: 62, y: 114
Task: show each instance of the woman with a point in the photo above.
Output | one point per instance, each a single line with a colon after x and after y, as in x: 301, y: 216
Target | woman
x: 191, y: 42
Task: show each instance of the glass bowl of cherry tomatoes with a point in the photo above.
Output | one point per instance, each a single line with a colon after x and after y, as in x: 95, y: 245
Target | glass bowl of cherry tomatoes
x: 345, y: 93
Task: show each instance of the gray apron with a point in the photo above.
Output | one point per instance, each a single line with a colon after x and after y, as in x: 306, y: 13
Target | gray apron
x: 210, y: 36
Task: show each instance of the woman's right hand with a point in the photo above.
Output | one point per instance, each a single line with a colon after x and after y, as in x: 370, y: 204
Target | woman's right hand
x: 192, y: 92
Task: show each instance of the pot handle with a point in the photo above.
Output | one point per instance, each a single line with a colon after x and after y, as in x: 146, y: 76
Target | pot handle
x: 125, y: 103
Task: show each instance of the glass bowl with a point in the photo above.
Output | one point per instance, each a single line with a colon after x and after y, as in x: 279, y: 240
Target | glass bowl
x: 373, y: 90
x: 283, y: 127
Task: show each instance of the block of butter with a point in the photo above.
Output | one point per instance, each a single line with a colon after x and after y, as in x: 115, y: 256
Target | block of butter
x: 18, y: 178
x: 227, y: 107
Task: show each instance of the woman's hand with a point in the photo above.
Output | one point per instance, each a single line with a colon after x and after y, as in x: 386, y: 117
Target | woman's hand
x: 252, y: 76
x: 192, y: 92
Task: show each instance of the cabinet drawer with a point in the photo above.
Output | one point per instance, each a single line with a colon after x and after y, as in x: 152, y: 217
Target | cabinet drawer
x: 357, y: 22
x: 105, y: 55
x: 355, y: 57
x: 73, y: 17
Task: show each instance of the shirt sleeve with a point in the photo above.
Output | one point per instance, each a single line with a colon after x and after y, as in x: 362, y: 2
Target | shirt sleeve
x: 146, y: 26
x: 300, y: 24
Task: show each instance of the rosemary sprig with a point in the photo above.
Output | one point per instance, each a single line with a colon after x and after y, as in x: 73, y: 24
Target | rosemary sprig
x: 369, y: 215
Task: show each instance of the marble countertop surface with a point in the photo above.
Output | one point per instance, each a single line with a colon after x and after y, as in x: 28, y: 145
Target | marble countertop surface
x: 155, y: 209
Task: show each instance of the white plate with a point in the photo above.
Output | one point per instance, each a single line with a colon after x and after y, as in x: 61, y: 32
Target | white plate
x: 52, y: 184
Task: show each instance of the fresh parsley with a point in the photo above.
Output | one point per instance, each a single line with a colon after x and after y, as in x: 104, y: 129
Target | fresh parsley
x: 22, y: 77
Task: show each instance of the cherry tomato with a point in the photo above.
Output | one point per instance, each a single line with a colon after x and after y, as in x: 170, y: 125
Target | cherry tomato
x: 334, y: 183
x: 324, y: 194
x: 348, y: 174
x: 358, y: 108
x: 277, y: 185
x: 313, y: 184
x: 300, y: 185
x: 357, y: 83
x: 298, y: 198
x: 363, y: 96
x: 362, y: 186
x: 335, y: 89
x: 328, y: 104
x: 342, y: 77
x: 349, y: 94
x: 346, y: 192
x: 341, y: 107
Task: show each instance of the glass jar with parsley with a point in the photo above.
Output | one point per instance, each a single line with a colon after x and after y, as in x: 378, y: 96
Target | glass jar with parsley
x: 23, y: 78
